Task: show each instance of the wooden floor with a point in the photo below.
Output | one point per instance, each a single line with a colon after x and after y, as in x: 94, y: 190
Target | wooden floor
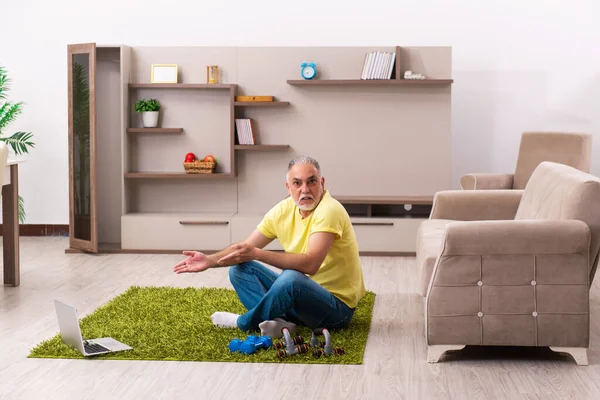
x: 394, y: 364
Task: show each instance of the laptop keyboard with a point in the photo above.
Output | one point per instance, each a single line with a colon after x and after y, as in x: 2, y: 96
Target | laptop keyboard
x: 94, y: 348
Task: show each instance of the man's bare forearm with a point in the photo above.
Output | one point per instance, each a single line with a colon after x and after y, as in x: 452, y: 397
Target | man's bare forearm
x: 299, y: 262
x: 213, y: 258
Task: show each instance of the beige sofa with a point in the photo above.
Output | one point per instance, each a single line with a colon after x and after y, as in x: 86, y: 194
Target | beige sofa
x: 512, y: 267
x: 569, y: 148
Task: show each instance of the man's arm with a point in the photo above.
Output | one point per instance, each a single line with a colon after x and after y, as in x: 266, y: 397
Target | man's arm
x: 197, y: 262
x: 256, y: 239
x: 309, y: 263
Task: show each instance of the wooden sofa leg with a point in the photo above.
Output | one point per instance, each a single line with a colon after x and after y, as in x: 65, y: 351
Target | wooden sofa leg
x: 578, y: 353
x: 434, y: 352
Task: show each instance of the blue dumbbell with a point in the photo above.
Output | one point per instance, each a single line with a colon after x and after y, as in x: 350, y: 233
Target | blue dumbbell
x: 250, y: 346
x: 236, y: 344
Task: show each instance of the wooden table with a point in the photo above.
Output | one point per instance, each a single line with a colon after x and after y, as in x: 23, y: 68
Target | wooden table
x: 10, y: 223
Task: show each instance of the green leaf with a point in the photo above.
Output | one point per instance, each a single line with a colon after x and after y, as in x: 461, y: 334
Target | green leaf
x: 21, y: 210
x: 19, y: 142
x: 3, y: 110
x: 9, y: 113
x: 4, y: 83
x: 147, y: 105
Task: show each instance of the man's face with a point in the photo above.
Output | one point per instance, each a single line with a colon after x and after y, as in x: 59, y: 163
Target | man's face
x: 305, y: 185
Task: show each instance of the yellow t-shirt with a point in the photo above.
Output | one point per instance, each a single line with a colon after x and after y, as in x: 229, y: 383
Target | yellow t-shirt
x: 341, y: 271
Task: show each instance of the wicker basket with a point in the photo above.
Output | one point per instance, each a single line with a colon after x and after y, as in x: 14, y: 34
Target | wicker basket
x: 199, y: 167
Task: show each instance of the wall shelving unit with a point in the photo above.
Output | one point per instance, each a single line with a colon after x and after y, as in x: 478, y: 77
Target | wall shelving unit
x: 384, y: 150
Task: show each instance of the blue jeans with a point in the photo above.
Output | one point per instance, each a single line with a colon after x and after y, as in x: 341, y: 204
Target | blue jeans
x: 290, y: 295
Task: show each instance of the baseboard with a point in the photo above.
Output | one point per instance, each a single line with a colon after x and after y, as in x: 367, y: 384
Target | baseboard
x: 41, y: 230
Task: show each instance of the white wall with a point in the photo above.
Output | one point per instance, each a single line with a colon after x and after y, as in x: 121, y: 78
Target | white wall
x: 518, y: 65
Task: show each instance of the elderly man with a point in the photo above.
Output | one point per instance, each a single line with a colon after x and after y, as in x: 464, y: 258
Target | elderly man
x: 321, y: 280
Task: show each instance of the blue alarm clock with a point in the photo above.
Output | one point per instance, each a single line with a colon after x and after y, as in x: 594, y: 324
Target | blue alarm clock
x: 308, y: 70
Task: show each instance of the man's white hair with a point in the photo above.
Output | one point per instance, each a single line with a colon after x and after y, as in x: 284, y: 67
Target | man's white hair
x: 303, y: 160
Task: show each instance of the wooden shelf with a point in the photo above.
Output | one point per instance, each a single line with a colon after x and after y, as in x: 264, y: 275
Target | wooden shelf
x: 268, y: 147
x: 371, y: 82
x: 182, y: 86
x: 154, y: 130
x: 394, y: 207
x: 416, y: 200
x: 175, y: 175
x: 261, y: 103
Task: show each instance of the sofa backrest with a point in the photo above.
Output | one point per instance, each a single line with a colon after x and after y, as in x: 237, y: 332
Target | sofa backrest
x: 558, y: 191
x: 574, y: 149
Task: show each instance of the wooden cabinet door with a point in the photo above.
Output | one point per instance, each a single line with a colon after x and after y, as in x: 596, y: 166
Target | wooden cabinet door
x: 83, y: 229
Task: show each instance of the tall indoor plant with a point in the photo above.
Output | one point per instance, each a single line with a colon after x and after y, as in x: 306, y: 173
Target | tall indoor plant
x: 20, y: 142
x: 81, y: 143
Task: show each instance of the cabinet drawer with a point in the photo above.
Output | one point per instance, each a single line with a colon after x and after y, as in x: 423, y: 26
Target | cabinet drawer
x: 386, y: 234
x: 175, y: 231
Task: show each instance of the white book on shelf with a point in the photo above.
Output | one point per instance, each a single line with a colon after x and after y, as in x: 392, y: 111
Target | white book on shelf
x: 370, y: 66
x: 392, y: 61
x: 375, y: 65
x: 244, y: 135
x: 379, y: 64
x: 365, y: 66
x: 238, y: 130
x: 389, y: 66
x: 249, y: 131
x: 386, y: 62
x: 246, y: 124
x: 382, y: 65
x: 242, y: 131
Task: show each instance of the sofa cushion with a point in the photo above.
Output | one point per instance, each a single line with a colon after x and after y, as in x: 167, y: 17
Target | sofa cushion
x: 558, y: 191
x: 429, y: 241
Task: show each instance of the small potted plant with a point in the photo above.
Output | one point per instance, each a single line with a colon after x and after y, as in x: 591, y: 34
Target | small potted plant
x: 149, y: 110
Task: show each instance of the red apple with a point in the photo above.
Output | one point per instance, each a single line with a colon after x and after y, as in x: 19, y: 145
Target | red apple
x: 190, y: 157
x: 209, y: 158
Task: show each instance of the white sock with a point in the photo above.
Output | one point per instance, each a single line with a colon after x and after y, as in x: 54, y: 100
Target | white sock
x: 224, y: 319
x: 273, y: 328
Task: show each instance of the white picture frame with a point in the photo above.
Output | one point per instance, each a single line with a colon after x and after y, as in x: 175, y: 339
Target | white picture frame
x: 164, y: 73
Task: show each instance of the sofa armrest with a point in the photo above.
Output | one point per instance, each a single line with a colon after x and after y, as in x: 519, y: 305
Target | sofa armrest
x: 476, y: 205
x: 483, y: 181
x: 517, y: 237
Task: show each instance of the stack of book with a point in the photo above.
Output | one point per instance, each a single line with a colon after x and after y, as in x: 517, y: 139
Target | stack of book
x: 245, y: 133
x: 378, y: 65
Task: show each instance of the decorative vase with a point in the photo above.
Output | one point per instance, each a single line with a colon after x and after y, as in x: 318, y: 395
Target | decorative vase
x: 150, y: 119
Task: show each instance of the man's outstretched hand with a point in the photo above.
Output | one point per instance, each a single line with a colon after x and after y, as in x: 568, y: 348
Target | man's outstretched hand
x: 196, y: 262
x: 241, y: 252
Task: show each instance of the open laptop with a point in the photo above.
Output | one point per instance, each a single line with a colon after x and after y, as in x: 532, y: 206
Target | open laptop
x: 71, y: 334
